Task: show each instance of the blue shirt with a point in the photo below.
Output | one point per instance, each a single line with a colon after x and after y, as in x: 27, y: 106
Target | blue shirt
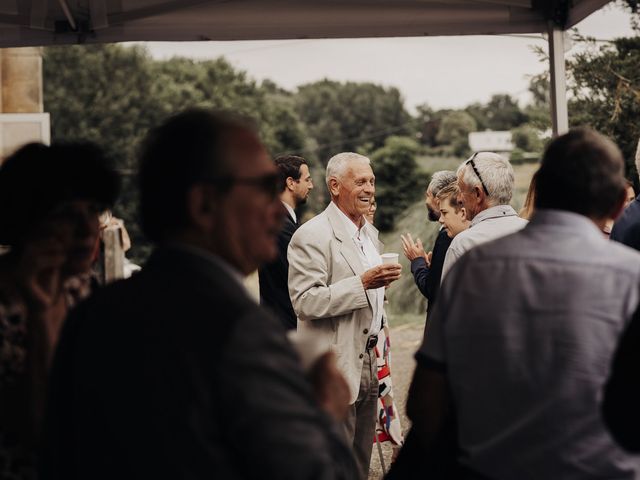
x: 525, y: 328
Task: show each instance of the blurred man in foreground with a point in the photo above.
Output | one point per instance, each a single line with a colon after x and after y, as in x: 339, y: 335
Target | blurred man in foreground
x: 177, y: 372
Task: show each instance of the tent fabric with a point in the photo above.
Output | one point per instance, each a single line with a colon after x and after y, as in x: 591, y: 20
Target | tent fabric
x: 46, y: 22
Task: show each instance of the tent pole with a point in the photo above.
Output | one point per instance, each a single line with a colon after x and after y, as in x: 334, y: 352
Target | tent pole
x: 559, y: 111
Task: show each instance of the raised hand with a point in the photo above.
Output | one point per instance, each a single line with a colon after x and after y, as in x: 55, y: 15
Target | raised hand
x: 411, y: 249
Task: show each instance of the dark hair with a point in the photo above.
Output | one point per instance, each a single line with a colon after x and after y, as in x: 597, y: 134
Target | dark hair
x: 186, y: 149
x: 37, y: 178
x: 288, y: 166
x: 582, y: 172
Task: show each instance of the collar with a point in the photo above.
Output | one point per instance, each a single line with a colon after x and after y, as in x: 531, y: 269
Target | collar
x: 580, y: 224
x: 211, y: 258
x: 352, y: 230
x: 493, y: 212
x: 292, y: 212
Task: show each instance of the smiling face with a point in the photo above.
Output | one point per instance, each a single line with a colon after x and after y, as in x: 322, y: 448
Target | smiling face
x: 354, y: 191
x: 452, y: 217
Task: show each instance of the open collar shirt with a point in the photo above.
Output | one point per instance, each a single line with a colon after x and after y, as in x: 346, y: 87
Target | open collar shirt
x: 370, y: 258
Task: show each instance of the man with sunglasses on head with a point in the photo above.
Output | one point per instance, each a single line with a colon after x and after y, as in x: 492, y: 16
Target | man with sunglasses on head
x: 178, y: 372
x: 486, y: 183
x: 296, y: 184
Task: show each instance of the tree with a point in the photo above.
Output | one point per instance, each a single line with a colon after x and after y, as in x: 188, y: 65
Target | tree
x: 344, y: 116
x: 454, y: 130
x: 398, y: 179
x: 605, y: 82
x: 503, y: 113
x: 112, y: 95
x: 527, y: 138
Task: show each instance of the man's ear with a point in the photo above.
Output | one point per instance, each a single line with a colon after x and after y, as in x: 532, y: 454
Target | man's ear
x: 202, y: 206
x: 480, y: 195
x: 289, y: 183
x: 334, y: 187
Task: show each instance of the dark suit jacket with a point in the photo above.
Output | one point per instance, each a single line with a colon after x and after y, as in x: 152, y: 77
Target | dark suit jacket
x: 626, y: 228
x: 428, y: 278
x: 621, y: 406
x: 274, y: 291
x: 176, y: 373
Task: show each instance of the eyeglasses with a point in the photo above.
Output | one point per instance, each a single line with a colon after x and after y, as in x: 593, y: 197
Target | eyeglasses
x: 475, y: 169
x: 268, y: 184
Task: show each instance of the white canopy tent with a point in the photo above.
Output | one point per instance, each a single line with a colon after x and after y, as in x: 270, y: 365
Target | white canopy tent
x: 48, y: 22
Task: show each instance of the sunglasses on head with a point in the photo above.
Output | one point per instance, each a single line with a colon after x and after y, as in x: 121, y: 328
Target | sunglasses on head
x: 475, y: 169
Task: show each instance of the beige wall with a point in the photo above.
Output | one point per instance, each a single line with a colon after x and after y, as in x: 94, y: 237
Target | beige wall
x: 21, y: 107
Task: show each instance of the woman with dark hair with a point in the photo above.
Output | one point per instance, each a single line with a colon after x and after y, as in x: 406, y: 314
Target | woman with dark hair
x: 50, y: 200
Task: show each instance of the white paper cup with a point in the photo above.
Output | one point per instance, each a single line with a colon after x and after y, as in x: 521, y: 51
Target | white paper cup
x: 389, y: 257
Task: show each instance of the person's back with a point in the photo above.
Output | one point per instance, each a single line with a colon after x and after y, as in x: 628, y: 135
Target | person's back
x: 527, y: 396
x: 525, y: 329
x: 145, y: 377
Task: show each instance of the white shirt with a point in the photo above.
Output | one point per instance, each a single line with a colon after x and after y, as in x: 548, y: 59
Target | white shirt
x: 370, y: 258
x: 291, y: 211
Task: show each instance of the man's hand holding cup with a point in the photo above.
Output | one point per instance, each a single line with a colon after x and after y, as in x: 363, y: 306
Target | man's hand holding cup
x: 382, y: 275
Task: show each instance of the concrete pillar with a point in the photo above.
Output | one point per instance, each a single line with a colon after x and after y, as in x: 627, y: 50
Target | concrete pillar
x: 21, y: 78
x: 559, y: 111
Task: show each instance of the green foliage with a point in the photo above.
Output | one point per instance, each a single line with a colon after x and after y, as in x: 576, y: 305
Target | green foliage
x: 399, y: 181
x: 500, y: 113
x: 606, y: 93
x: 112, y: 95
x: 344, y: 116
x: 527, y: 138
x: 454, y: 130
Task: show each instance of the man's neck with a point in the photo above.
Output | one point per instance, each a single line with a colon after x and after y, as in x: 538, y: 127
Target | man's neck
x: 287, y: 197
x: 358, y: 221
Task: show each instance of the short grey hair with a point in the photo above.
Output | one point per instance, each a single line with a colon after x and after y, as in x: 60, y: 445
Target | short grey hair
x: 638, y: 159
x: 496, y: 173
x: 337, y: 165
x: 440, y: 180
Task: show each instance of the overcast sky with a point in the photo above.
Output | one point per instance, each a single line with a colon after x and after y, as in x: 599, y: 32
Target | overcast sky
x: 440, y: 71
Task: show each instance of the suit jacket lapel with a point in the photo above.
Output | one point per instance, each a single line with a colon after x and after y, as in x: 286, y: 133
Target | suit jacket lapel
x: 347, y: 246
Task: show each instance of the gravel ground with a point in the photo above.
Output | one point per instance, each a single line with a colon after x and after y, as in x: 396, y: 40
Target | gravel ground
x: 405, y: 340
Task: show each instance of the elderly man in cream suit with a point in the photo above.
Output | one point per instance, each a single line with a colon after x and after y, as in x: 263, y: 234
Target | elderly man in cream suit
x: 336, y: 284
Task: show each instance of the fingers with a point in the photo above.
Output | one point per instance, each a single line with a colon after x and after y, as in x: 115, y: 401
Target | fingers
x: 419, y: 244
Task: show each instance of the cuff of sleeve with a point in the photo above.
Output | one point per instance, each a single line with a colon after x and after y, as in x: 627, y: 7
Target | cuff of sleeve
x: 426, y: 361
x: 418, y: 263
x: 361, y: 296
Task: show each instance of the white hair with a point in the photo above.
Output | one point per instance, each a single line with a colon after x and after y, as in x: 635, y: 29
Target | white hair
x: 337, y: 165
x: 439, y: 180
x: 496, y: 173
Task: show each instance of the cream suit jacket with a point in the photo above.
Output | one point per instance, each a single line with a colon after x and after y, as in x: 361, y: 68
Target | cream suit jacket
x: 326, y: 290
